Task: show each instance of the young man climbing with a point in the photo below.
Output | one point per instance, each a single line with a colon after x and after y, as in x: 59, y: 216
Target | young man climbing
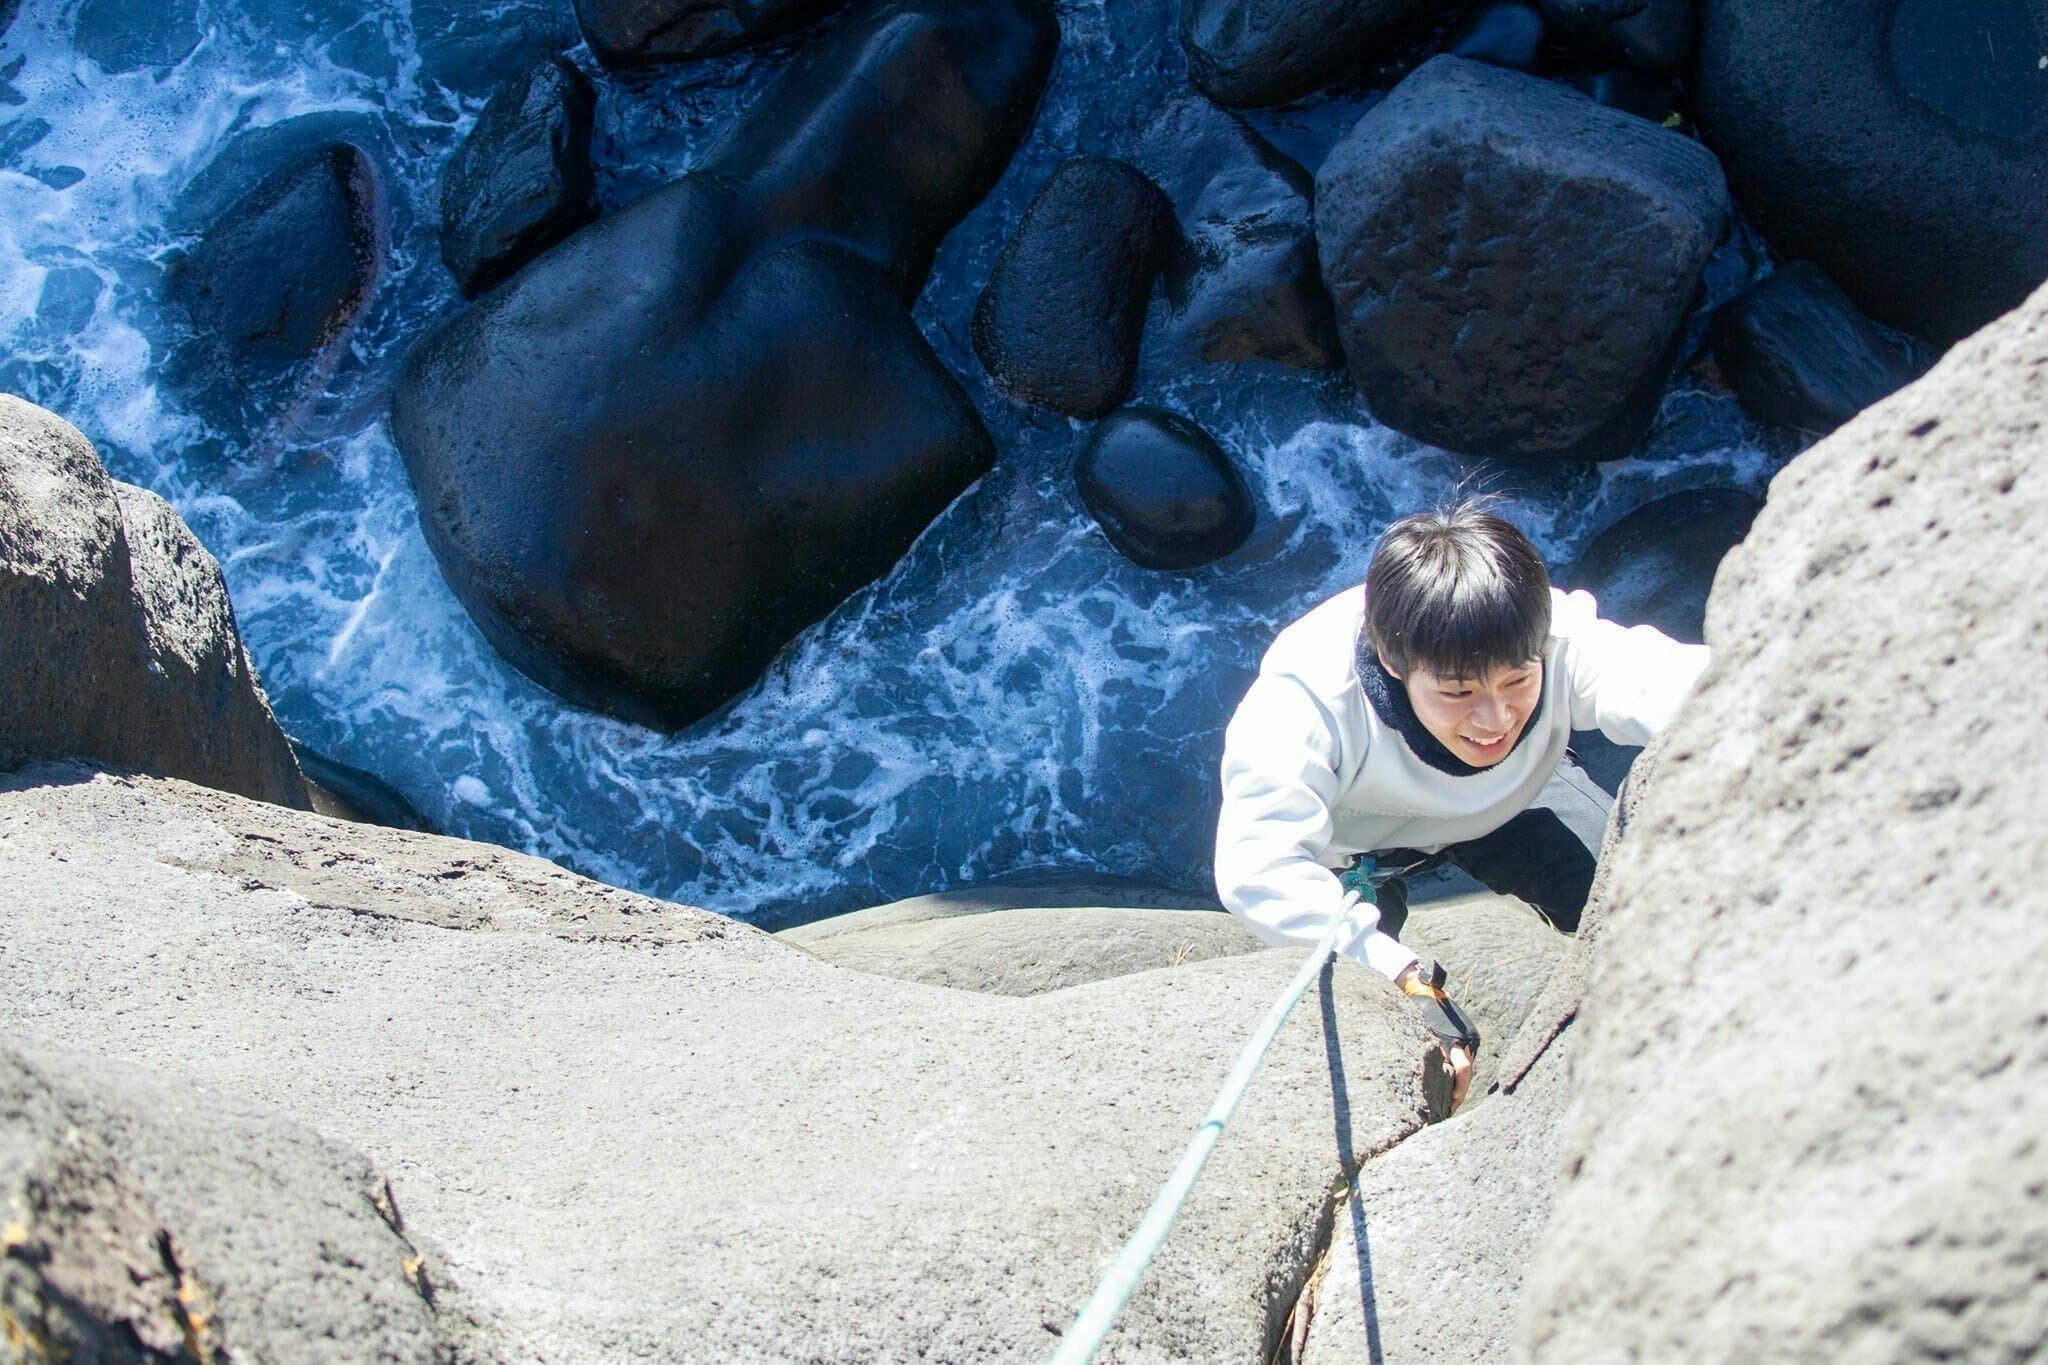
x: 1422, y: 719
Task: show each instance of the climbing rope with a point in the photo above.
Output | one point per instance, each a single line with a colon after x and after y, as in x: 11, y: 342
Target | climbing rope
x: 1084, y: 1338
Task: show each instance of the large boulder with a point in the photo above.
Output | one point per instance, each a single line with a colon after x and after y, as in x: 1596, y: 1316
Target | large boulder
x: 1253, y: 52
x: 1059, y: 323
x: 692, y: 429
x: 1900, y: 144
x: 521, y: 181
x: 1242, y: 280
x: 1162, y: 490
x: 153, y: 1220
x: 283, y: 272
x: 1814, y: 1072
x: 628, y: 33
x: 121, y: 642
x: 1511, y: 263
x: 639, y: 1131
x: 1799, y: 355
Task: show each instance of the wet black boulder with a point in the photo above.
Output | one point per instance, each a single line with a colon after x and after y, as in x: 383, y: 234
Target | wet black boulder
x: 521, y: 181
x: 1798, y: 354
x: 1627, y: 89
x: 1655, y: 567
x: 1241, y: 276
x: 655, y: 454
x: 1254, y: 52
x: 643, y: 32
x: 285, y: 269
x: 1901, y: 145
x: 1509, y: 34
x: 1652, y: 36
x: 1511, y: 263
x: 1163, y: 491
x: 1060, y: 321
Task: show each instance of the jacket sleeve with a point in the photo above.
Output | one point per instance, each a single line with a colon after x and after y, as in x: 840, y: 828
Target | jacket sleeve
x: 1625, y: 681
x: 1279, y: 786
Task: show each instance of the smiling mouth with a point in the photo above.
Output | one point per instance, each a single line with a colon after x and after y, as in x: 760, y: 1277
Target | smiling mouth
x: 1493, y: 743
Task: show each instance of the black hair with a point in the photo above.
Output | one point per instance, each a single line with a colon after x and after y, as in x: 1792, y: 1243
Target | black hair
x: 1458, y: 591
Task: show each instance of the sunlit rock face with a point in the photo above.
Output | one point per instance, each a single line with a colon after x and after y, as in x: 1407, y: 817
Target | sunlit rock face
x: 692, y: 429
x: 1903, y: 147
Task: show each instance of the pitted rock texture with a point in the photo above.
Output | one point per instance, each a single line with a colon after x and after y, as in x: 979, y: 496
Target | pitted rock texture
x: 1814, y: 1072
x: 1902, y: 146
x: 1059, y: 323
x: 122, y: 644
x: 1511, y: 263
x: 144, y: 1219
x: 521, y: 180
x: 692, y: 429
x: 638, y: 1129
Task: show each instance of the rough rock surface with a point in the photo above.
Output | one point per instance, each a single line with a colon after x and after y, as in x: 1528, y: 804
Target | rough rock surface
x: 521, y: 180
x: 637, y: 1129
x: 1653, y: 568
x: 1243, y: 281
x: 1815, y: 1062
x: 141, y: 1219
x: 1511, y: 263
x: 1059, y: 323
x: 1799, y: 355
x: 1163, y: 491
x: 285, y: 270
x: 1900, y: 144
x: 1653, y: 36
x: 1251, y: 52
x: 122, y: 644
x: 625, y: 33
x: 1023, y: 950
x: 690, y: 430
x: 1497, y: 955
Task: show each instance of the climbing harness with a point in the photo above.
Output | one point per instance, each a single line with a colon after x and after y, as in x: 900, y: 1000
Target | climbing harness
x: 1093, y: 1322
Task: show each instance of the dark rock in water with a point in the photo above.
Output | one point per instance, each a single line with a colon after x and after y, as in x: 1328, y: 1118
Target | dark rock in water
x: 1652, y: 36
x: 1628, y: 90
x: 1243, y: 279
x: 1253, y: 52
x: 287, y: 267
x: 1655, y: 567
x: 469, y: 47
x: 1060, y: 320
x: 643, y: 32
x: 1163, y: 491
x: 521, y: 181
x: 348, y: 793
x: 127, y: 35
x: 690, y: 430
x: 1509, y: 34
x: 1798, y: 354
x: 1511, y: 263
x: 121, y: 643
x: 1902, y: 147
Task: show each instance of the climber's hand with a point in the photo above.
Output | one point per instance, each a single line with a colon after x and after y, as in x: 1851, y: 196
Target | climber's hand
x: 1459, y: 1040
x: 1460, y: 1061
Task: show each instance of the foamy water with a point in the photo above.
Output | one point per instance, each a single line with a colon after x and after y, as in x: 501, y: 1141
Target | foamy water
x: 1013, y: 696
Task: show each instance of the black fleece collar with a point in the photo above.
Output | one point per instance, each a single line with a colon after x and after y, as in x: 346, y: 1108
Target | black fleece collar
x: 1390, y: 703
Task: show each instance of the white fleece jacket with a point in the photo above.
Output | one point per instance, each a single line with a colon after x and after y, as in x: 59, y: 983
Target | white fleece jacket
x: 1313, y: 776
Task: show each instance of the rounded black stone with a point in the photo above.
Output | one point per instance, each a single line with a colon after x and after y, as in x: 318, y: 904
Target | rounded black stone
x: 1061, y: 318
x: 1628, y: 90
x: 1652, y: 36
x: 1163, y: 491
x: 1798, y: 354
x: 1509, y: 34
x: 1902, y: 147
x: 1243, y: 53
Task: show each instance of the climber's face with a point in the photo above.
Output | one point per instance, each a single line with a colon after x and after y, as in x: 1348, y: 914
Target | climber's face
x: 1478, y: 719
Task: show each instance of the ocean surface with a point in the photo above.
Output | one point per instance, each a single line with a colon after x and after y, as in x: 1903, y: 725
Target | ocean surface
x: 1013, y: 697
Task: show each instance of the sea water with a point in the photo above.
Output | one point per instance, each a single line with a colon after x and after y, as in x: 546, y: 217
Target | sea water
x: 1013, y: 697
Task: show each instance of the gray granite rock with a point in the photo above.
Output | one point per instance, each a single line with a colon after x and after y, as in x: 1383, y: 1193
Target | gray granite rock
x: 637, y: 1129
x: 1511, y: 263
x: 121, y: 642
x: 141, y: 1219
x: 1814, y: 1073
